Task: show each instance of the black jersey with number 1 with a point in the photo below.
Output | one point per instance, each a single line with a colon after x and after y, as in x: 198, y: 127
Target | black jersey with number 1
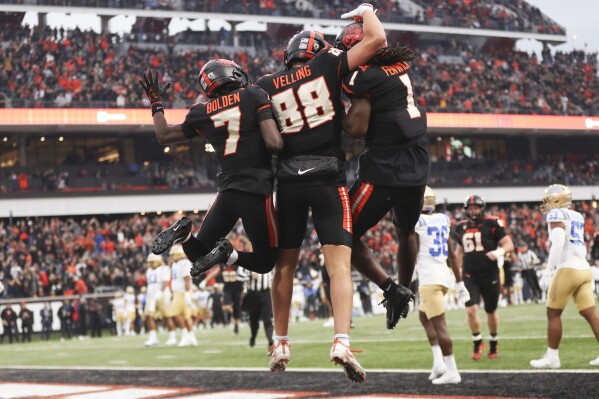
x: 477, y: 238
x: 231, y: 124
x: 396, y: 123
x: 307, y: 105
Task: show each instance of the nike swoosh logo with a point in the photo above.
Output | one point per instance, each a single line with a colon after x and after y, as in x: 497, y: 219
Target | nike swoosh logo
x: 494, y: 282
x: 301, y: 172
x: 176, y: 228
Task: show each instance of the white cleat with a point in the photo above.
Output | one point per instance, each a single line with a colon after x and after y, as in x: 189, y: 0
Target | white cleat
x: 342, y: 354
x: 280, y: 355
x: 329, y: 323
x: 192, y: 339
x: 546, y: 362
x: 594, y: 362
x: 450, y: 377
x: 438, y: 371
x: 171, y: 342
x: 151, y: 342
x: 185, y: 341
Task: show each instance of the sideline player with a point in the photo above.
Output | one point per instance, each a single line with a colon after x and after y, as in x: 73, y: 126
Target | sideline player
x: 434, y: 254
x: 157, y: 276
x: 394, y: 168
x: 179, y: 311
x: 482, y: 240
x: 237, y: 120
x: 306, y: 98
x: 573, y: 277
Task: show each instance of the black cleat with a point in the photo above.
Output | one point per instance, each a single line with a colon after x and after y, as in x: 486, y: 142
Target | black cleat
x: 220, y: 254
x: 397, y: 303
x: 171, y: 236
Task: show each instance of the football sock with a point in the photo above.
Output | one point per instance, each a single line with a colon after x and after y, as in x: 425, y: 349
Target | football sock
x: 171, y: 335
x: 437, y: 354
x: 344, y: 338
x: 552, y: 352
x: 493, y: 341
x: 477, y: 337
x: 153, y: 335
x: 232, y: 258
x: 279, y: 338
x: 450, y: 363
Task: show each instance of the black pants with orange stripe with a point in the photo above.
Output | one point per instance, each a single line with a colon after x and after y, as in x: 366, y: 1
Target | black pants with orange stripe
x: 370, y: 203
x: 260, y: 223
x: 330, y: 213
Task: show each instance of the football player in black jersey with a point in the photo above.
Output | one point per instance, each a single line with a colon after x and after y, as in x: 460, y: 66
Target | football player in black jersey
x: 393, y: 170
x: 237, y: 120
x: 481, y: 241
x: 306, y: 98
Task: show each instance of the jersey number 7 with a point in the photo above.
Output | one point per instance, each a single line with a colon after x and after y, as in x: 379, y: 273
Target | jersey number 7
x: 232, y: 119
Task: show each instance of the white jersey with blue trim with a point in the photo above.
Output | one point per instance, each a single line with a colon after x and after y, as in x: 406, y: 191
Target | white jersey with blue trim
x: 431, y: 265
x: 155, y: 279
x: 179, y: 270
x: 574, y: 254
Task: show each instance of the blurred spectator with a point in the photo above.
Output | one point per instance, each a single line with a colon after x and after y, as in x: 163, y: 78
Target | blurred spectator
x: 26, y: 317
x: 65, y: 314
x: 9, y: 324
x: 95, y: 318
x: 46, y: 318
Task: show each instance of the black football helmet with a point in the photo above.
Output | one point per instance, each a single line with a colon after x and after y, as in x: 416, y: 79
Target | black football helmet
x: 303, y: 45
x: 217, y: 74
x: 474, y: 200
x: 349, y: 36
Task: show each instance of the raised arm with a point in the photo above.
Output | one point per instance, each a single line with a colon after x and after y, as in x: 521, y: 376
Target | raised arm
x: 374, y: 36
x: 165, y: 133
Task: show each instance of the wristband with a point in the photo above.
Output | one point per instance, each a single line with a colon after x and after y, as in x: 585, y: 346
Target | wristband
x: 157, y: 107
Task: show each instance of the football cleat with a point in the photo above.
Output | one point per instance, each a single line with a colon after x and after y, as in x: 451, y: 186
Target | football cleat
x: 171, y: 236
x: 450, y: 377
x: 594, y: 362
x: 479, y: 348
x: 220, y: 254
x: 397, y: 303
x: 342, y: 354
x: 280, y: 354
x: 171, y: 342
x: 253, y: 342
x: 438, y: 371
x: 151, y: 342
x: 185, y: 341
x: 493, y: 353
x: 546, y: 362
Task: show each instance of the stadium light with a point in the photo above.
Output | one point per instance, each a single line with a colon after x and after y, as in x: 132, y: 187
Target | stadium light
x: 167, y: 150
x: 42, y: 139
x: 61, y: 138
x: 5, y: 139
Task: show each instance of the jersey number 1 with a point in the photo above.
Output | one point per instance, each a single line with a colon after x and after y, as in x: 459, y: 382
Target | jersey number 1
x: 473, y: 242
x: 232, y: 119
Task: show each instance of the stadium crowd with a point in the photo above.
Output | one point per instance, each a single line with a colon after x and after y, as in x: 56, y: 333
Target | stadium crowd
x: 478, y: 14
x: 572, y: 169
x: 57, y: 68
x: 74, y: 256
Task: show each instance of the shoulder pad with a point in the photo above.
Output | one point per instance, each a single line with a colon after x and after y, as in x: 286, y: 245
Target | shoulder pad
x: 557, y: 215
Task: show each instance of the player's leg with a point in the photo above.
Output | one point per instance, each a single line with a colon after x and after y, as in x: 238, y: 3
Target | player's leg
x: 293, y: 217
x: 490, y: 289
x: 472, y: 314
x: 209, y: 247
x: 331, y: 213
x: 369, y: 204
x: 425, y: 293
x: 266, y: 316
x: 262, y: 227
x: 585, y: 303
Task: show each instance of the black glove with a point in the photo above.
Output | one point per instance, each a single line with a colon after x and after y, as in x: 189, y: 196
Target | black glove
x: 154, y: 91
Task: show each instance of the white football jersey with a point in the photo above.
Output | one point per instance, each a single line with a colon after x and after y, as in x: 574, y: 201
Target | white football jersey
x: 129, y: 302
x: 574, y: 254
x: 201, y: 298
x: 119, y: 305
x: 155, y: 278
x: 180, y: 269
x: 431, y: 264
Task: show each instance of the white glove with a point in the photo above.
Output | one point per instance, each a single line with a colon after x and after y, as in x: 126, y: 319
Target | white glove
x: 1, y: 287
x: 546, y: 278
x: 188, y: 300
x: 461, y: 292
x: 358, y: 11
x: 203, y: 283
x: 152, y: 306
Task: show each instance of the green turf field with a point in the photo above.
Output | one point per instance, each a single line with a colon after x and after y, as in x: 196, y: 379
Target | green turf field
x: 522, y: 338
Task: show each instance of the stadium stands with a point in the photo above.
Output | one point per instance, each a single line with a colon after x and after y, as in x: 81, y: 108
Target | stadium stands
x: 54, y: 256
